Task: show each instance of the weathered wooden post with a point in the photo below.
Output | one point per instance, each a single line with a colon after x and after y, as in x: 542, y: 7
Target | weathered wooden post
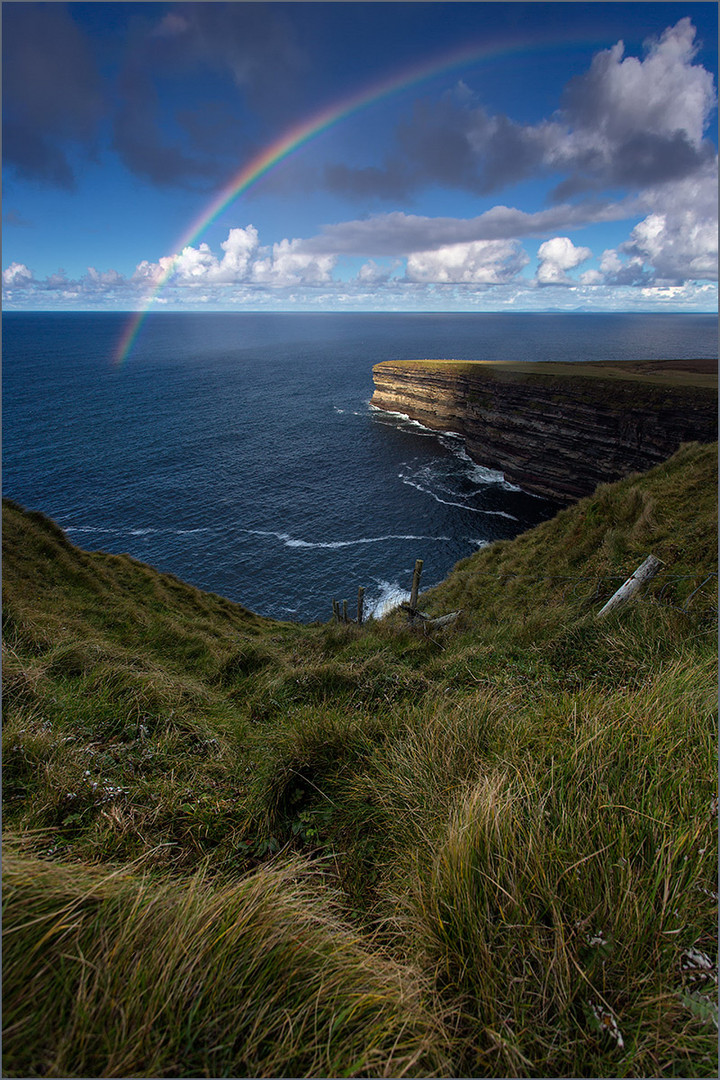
x: 344, y: 613
x: 415, y: 585
x: 645, y: 572
x: 361, y: 600
x: 336, y: 610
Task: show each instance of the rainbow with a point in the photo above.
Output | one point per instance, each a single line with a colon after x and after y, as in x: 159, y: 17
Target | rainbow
x: 301, y: 133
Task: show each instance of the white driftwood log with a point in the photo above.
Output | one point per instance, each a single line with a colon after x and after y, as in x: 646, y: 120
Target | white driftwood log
x: 644, y: 573
x: 419, y: 618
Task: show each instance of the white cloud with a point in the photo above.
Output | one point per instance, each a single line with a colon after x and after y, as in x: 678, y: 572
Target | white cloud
x: 480, y: 274
x: 634, y: 122
x: 372, y: 274
x: 678, y: 246
x: 662, y: 94
x: 626, y: 122
x: 679, y: 238
x: 243, y: 261
x: 289, y: 265
x: 676, y: 241
x: 240, y: 248
x: 556, y: 257
x: 591, y: 277
x: 17, y: 274
x: 481, y: 262
x: 101, y: 281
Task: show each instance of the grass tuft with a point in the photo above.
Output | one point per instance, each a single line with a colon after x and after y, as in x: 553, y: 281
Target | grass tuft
x: 241, y: 847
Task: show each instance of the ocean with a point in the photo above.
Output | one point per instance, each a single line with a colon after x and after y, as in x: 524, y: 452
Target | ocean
x: 240, y: 452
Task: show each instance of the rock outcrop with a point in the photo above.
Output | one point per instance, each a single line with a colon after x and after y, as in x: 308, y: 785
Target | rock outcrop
x: 558, y: 429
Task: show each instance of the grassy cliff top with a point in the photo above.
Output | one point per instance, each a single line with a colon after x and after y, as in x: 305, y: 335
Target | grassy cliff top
x: 700, y: 374
x: 240, y: 847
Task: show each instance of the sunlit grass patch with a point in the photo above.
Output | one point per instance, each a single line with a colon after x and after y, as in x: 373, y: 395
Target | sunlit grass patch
x: 121, y: 976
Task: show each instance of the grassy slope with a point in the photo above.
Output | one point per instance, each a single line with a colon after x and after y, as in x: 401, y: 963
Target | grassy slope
x: 345, y: 851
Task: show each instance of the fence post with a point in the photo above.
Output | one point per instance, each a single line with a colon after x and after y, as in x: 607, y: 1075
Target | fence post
x: 361, y: 599
x: 415, y: 584
x: 344, y: 611
x: 645, y: 572
x: 336, y: 610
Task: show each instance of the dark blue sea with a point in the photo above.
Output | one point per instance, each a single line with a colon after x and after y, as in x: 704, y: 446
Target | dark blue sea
x: 240, y: 452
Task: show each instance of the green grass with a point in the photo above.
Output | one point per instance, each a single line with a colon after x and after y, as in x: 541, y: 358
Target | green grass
x: 698, y: 374
x: 190, y: 978
x: 241, y: 847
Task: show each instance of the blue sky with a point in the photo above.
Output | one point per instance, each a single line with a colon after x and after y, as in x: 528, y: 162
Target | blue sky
x: 570, y: 164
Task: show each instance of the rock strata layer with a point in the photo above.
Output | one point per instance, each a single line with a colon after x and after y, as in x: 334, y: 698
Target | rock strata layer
x: 558, y: 429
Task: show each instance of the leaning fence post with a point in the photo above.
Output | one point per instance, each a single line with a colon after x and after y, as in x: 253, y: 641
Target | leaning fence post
x: 336, y: 610
x: 415, y: 584
x: 645, y: 572
x: 361, y: 598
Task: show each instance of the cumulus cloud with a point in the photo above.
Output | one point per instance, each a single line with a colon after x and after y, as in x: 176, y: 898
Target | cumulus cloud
x: 627, y: 121
x: 678, y: 246
x: 637, y: 121
x: 481, y: 262
x: 19, y: 283
x: 677, y: 241
x: 372, y: 274
x: 448, y: 263
x: 17, y: 274
x: 679, y: 238
x: 244, y: 260
x: 615, y: 270
x: 557, y: 256
x: 662, y: 94
x: 289, y: 265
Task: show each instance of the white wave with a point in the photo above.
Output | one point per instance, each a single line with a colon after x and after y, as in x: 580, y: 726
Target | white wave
x: 451, y: 502
x: 131, y: 532
x: 88, y: 528
x: 391, y: 596
x: 407, y: 420
x: 292, y: 542
x: 481, y: 474
x: 455, y: 443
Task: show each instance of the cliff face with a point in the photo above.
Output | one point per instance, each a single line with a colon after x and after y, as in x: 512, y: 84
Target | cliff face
x: 557, y: 429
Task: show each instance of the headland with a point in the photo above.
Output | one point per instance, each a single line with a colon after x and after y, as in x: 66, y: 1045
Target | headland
x: 558, y: 429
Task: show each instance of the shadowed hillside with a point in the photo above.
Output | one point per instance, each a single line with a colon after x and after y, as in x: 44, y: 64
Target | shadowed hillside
x: 241, y: 847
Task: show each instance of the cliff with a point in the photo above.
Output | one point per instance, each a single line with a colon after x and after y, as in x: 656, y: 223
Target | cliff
x: 558, y: 429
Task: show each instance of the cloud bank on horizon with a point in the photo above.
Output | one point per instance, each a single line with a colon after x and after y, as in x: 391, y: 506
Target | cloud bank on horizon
x: 580, y: 175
